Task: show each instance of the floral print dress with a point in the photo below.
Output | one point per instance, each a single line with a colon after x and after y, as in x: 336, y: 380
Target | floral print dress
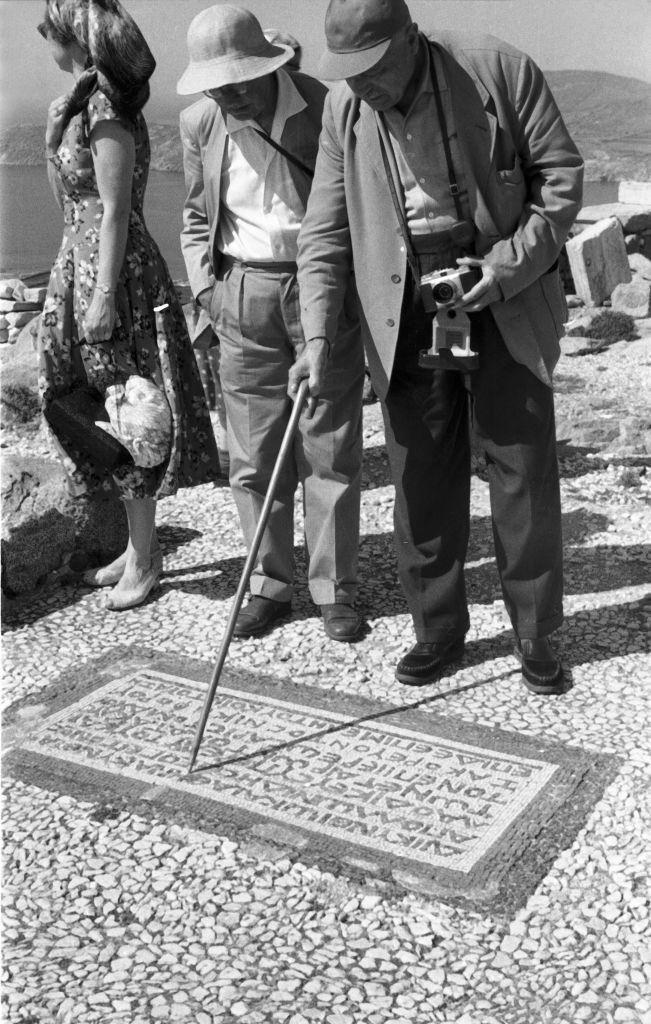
x: 136, y: 347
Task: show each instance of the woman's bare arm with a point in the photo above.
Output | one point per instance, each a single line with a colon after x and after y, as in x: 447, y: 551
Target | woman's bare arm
x: 113, y: 152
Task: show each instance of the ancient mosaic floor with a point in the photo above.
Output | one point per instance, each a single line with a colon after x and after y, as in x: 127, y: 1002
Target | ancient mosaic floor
x: 392, y: 790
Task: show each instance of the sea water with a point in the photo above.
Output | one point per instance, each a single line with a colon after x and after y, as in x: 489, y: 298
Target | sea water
x: 31, y: 225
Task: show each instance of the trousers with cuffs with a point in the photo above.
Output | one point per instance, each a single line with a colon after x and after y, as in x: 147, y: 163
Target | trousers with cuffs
x: 257, y: 315
x: 428, y: 416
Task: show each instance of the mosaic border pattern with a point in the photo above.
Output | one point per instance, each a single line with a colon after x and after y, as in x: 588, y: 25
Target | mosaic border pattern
x: 503, y: 874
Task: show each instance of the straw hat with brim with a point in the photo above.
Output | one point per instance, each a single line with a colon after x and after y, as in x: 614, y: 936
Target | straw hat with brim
x: 226, y: 45
x: 358, y: 34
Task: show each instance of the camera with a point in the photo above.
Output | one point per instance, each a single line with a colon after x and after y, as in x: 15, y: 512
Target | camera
x: 441, y: 291
x: 447, y: 287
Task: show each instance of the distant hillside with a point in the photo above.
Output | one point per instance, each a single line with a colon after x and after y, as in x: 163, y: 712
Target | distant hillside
x: 608, y: 116
x: 23, y: 144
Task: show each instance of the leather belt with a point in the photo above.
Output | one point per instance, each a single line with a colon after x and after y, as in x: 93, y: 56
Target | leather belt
x: 459, y: 236
x: 276, y: 266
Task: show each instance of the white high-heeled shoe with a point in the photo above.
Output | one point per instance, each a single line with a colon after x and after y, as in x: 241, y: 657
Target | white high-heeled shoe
x: 109, y: 575
x: 134, y: 596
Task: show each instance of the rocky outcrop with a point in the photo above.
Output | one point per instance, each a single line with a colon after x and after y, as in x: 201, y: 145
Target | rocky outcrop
x: 43, y: 526
x: 633, y: 298
x: 19, y: 402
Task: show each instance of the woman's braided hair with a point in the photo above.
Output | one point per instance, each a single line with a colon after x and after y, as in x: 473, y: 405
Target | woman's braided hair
x: 120, y: 62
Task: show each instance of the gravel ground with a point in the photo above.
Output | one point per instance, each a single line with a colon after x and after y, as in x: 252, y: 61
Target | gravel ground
x: 111, y: 917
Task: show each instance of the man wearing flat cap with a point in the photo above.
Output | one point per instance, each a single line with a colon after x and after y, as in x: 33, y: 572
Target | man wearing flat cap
x: 445, y: 154
x: 249, y: 147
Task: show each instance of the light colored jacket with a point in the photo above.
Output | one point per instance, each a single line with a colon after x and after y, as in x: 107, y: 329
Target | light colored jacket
x: 524, y: 178
x: 203, y: 134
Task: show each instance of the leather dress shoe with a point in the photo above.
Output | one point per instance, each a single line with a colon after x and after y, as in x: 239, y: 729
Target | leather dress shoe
x: 542, y: 671
x: 341, y: 622
x: 425, y: 661
x: 259, y: 615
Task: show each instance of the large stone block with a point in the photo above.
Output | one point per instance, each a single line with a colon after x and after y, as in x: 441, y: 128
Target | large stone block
x: 19, y: 401
x: 633, y: 298
x: 43, y: 525
x: 637, y: 192
x: 634, y: 217
x: 598, y: 260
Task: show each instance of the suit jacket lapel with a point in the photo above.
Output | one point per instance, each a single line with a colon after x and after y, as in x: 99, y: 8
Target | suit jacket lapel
x: 213, y: 160
x: 369, y: 142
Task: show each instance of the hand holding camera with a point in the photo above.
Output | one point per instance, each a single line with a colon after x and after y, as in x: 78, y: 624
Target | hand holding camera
x: 485, y: 291
x: 450, y: 294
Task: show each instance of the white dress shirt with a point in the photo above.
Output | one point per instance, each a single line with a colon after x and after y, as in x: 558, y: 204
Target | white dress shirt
x: 261, y: 211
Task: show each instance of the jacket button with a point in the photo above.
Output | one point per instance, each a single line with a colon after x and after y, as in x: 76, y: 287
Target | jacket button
x: 391, y: 323
x: 395, y: 278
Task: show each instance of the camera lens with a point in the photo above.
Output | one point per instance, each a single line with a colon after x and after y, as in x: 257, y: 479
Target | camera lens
x: 443, y: 292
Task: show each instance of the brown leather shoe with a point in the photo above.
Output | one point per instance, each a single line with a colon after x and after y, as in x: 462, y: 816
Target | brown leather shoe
x: 260, y: 615
x: 425, y: 662
x: 341, y: 622
x: 542, y: 671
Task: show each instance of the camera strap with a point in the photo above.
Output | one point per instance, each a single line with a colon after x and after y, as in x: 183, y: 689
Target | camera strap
x: 307, y: 171
x: 395, y: 184
x: 454, y: 189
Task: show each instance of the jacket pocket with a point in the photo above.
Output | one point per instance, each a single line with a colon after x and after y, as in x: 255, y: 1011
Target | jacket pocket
x: 216, y: 301
x: 511, y: 175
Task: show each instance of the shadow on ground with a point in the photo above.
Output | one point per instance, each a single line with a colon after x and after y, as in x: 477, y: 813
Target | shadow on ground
x: 66, y: 590
x: 573, y: 461
x: 587, y: 570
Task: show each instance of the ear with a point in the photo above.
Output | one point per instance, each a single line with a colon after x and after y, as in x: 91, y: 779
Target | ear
x: 412, y: 36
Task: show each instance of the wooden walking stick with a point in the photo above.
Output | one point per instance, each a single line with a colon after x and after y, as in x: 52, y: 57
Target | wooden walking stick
x: 299, y: 401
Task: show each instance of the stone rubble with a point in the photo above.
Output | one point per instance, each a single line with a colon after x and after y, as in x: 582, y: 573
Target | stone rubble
x: 116, y: 918
x: 19, y: 304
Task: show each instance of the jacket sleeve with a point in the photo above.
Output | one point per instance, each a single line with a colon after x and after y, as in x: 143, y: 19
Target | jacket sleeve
x: 195, y: 235
x: 324, y: 250
x: 553, y: 176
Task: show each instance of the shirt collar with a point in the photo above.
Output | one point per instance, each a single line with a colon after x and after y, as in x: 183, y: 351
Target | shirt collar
x: 425, y: 85
x: 289, y: 102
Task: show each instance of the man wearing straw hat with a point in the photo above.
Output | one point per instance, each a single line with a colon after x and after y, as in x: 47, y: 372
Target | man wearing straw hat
x: 437, y: 154
x: 249, y: 147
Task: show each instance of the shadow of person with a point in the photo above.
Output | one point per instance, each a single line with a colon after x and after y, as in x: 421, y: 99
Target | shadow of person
x: 586, y: 636
x: 173, y: 537
x: 65, y: 588
x: 219, y: 580
x: 607, y: 567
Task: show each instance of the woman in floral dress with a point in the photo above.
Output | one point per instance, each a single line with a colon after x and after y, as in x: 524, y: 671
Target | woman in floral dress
x: 98, y: 322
